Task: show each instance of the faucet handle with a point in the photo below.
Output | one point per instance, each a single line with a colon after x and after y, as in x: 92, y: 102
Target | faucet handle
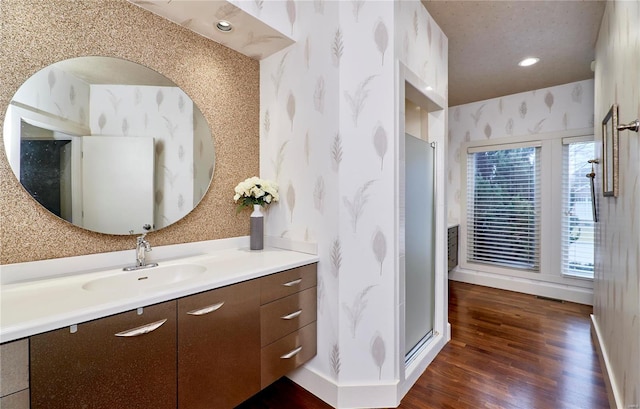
x: 142, y: 242
x: 141, y: 239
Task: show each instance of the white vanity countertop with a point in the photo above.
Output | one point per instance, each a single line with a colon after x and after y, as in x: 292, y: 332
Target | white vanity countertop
x: 32, y: 307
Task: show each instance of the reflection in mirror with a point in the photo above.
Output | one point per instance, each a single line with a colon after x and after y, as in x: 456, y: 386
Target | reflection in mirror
x: 109, y: 145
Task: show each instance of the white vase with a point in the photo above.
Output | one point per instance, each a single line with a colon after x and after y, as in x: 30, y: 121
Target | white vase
x: 256, y: 237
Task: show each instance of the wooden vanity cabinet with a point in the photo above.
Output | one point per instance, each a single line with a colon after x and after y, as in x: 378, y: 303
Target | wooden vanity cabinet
x: 288, y: 321
x: 219, y: 347
x: 125, y: 361
x: 210, y: 350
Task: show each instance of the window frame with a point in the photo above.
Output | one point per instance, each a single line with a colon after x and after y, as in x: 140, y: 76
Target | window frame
x: 550, y: 269
x: 565, y: 143
x: 502, y: 147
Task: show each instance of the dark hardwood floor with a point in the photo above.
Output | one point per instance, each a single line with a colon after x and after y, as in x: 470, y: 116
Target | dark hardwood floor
x: 508, y: 350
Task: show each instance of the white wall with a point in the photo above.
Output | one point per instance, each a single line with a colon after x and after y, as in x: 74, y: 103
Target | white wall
x: 322, y: 101
x: 203, y: 151
x: 52, y: 97
x: 617, y: 279
x: 546, y: 115
x: 554, y: 109
x: 416, y: 120
x: 58, y: 93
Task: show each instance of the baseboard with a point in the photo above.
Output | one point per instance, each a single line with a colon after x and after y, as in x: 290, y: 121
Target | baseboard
x: 605, y: 365
x: 375, y: 395
x: 415, y: 369
x: 564, y: 292
x: 379, y: 395
x: 319, y: 385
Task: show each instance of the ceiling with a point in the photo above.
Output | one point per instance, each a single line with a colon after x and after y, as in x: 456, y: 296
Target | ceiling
x: 487, y: 39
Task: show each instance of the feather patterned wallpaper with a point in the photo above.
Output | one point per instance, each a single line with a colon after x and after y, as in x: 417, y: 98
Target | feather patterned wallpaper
x: 59, y: 93
x: 327, y: 136
x: 165, y: 114
x: 559, y: 108
x: 617, y: 262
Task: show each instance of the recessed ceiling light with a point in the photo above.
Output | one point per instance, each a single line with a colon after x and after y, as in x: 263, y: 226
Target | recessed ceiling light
x: 224, y: 26
x: 528, y: 61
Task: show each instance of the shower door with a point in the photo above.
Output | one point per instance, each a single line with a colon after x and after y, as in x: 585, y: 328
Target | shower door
x: 419, y: 243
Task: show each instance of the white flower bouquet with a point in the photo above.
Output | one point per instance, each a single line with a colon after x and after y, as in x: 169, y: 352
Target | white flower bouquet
x: 255, y: 191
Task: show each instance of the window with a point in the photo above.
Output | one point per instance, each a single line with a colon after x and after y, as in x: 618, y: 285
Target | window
x: 577, y: 218
x: 503, y: 206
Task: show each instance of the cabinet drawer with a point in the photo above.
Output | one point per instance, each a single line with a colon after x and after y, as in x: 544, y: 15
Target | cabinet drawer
x: 288, y: 282
x: 288, y: 353
x: 286, y: 315
x: 14, y: 366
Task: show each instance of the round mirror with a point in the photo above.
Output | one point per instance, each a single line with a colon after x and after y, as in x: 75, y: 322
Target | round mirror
x: 109, y: 145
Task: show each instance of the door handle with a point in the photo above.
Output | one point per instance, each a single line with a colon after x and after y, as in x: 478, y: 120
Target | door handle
x: 292, y: 283
x: 292, y: 353
x: 206, y: 310
x: 145, y: 329
x: 292, y: 315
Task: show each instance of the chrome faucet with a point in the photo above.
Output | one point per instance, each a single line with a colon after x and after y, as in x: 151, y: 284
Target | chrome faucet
x: 142, y: 247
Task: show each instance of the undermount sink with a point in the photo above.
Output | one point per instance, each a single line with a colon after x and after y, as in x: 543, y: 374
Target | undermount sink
x: 141, y: 280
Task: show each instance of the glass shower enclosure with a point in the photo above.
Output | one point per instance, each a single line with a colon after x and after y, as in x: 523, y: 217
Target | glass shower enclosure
x: 419, y: 244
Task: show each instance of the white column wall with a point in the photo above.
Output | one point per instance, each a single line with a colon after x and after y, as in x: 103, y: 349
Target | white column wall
x: 328, y: 136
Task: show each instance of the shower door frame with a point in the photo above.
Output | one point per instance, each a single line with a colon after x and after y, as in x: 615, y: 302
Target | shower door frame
x: 410, y: 86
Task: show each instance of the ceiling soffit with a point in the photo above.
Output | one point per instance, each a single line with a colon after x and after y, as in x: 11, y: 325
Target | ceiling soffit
x: 249, y: 36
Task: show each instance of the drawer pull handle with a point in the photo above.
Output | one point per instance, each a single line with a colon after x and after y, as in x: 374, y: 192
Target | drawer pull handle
x: 145, y: 329
x: 292, y: 315
x: 292, y: 283
x: 207, y: 310
x: 292, y: 353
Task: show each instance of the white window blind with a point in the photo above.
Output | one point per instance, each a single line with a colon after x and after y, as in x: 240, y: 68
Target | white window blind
x: 577, y: 222
x: 503, y: 207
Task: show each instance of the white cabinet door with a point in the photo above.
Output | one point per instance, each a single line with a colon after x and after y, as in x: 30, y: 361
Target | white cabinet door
x: 117, y: 183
